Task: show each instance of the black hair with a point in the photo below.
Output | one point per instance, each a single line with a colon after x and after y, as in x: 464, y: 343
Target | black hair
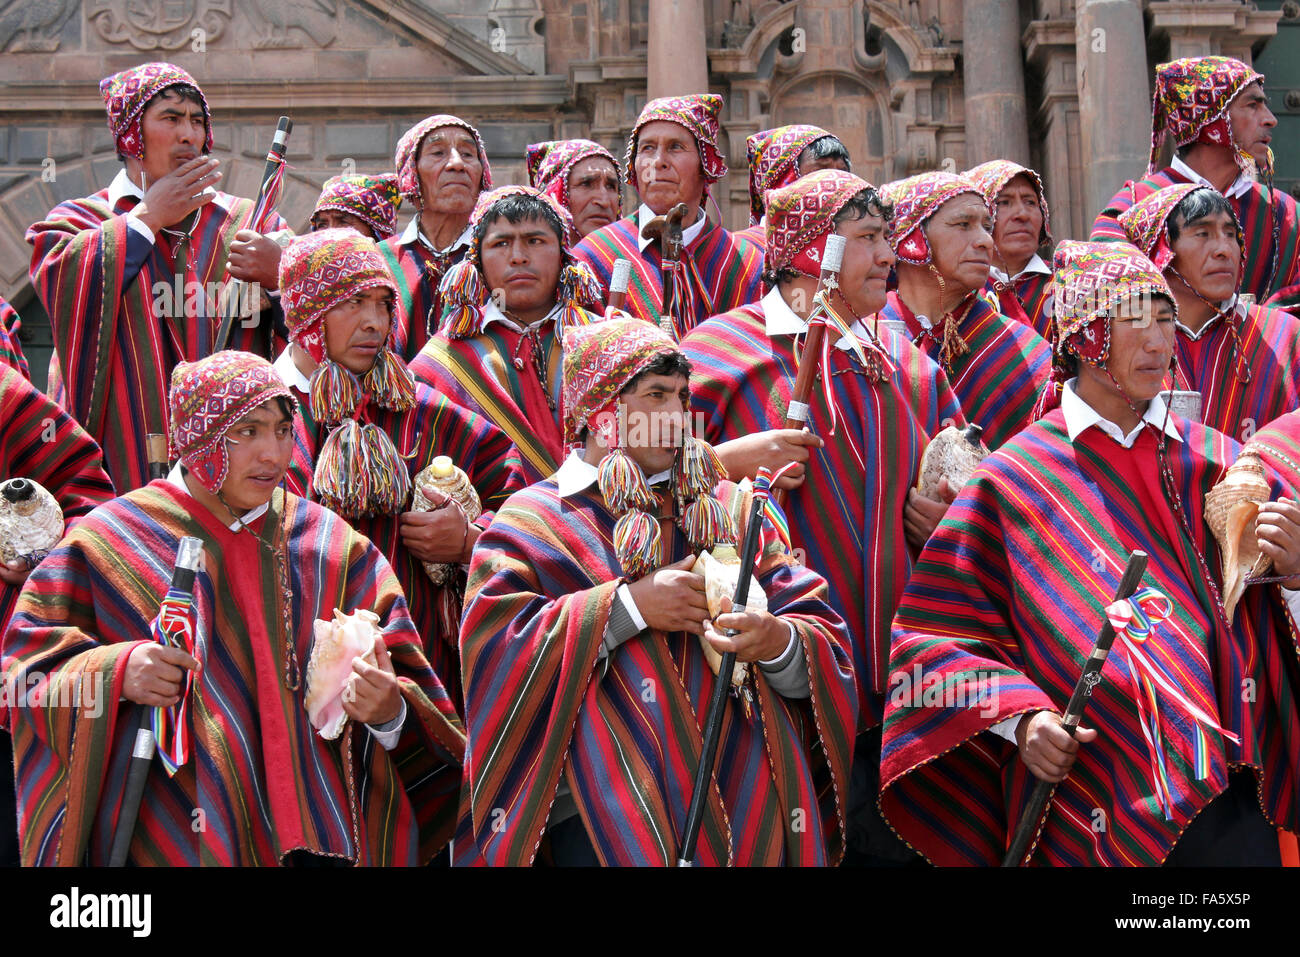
x: 188, y: 94
x: 286, y: 406
x: 1197, y: 205
x: 864, y: 203
x: 826, y: 147
x: 516, y: 208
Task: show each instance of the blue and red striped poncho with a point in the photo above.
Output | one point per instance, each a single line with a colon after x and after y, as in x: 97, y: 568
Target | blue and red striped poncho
x: 417, y: 270
x: 1033, y: 297
x: 846, y: 520
x: 999, y: 379
x: 260, y: 779
x: 721, y: 272
x: 1261, y: 213
x: 625, y: 736
x: 1004, y: 606
x: 119, y: 326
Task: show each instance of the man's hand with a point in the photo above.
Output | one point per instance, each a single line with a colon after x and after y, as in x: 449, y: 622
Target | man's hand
x: 442, y: 535
x: 14, y: 573
x: 255, y: 258
x: 760, y: 636
x: 672, y: 599
x: 922, y: 515
x: 154, y: 674
x: 775, y: 448
x: 1278, y: 531
x: 1046, y: 747
x: 372, y: 694
x: 179, y: 193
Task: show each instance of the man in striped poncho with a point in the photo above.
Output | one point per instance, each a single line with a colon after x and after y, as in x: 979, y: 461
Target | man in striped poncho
x: 1215, y: 111
x: 259, y: 784
x: 673, y: 157
x: 1244, y: 359
x: 131, y: 276
x: 1190, y: 749
x: 585, y: 680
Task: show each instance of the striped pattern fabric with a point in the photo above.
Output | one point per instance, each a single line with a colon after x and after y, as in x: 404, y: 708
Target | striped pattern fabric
x: 417, y: 272
x: 115, y: 351
x: 265, y: 783
x: 1260, y: 212
x: 1270, y: 340
x: 40, y: 442
x: 1033, y: 294
x: 478, y: 373
x: 11, y: 347
x: 625, y: 735
x: 1278, y: 445
x: 999, y: 379
x: 720, y: 272
x: 1007, y: 599
x: 435, y: 426
x: 846, y: 522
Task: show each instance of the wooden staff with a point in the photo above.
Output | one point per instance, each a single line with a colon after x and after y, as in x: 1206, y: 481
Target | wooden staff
x: 156, y: 443
x: 265, y: 203
x: 667, y: 229
x: 1091, y: 677
x: 618, y: 283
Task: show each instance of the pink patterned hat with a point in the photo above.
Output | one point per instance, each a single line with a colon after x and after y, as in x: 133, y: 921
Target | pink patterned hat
x: 915, y: 200
x: 800, y: 217
x: 600, y: 359
x: 697, y: 113
x: 774, y: 161
x: 550, y: 163
x: 372, y: 199
x: 126, y: 94
x: 1191, y: 103
x: 408, y: 149
x: 992, y: 178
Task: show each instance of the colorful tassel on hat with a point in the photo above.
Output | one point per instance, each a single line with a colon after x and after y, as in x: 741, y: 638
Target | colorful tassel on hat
x: 335, y: 393
x: 637, y: 542
x: 697, y: 469
x: 390, y: 382
x: 342, y: 481
x: 623, y: 484
x: 389, y: 478
x: 462, y: 290
x: 579, y: 293
x: 707, y: 523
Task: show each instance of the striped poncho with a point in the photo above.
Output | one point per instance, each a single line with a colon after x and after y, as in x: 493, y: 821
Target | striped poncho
x: 435, y: 426
x: 478, y: 373
x: 846, y: 520
x: 122, y: 317
x: 1005, y: 605
x: 11, y: 347
x: 719, y: 272
x: 999, y: 379
x: 625, y: 735
x: 1261, y: 213
x: 1033, y: 295
x: 417, y: 270
x: 260, y: 782
x: 1270, y: 342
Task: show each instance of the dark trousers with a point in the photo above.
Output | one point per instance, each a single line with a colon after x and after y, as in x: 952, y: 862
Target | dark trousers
x: 8, y: 805
x: 871, y: 842
x: 1231, y: 832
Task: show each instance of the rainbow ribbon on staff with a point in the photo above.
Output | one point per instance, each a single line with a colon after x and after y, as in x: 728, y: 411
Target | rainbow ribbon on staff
x: 772, y: 513
x: 174, y: 627
x: 1134, y: 620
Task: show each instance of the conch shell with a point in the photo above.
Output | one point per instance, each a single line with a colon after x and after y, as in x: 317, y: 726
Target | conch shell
x: 443, y: 475
x: 721, y: 571
x: 337, y: 644
x: 1231, y: 508
x: 31, y: 522
x: 953, y: 454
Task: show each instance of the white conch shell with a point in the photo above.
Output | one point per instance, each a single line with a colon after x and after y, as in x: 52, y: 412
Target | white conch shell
x: 443, y: 475
x: 1231, y: 508
x: 30, y: 528
x: 952, y: 455
x: 337, y: 644
x: 721, y: 571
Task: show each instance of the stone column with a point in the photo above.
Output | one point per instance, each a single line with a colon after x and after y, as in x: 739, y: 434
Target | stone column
x: 1114, y: 97
x: 677, y: 62
x: 1050, y: 49
x: 996, y: 115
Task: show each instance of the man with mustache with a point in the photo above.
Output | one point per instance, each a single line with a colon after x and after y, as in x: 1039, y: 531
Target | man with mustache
x: 1216, y: 112
x: 125, y: 274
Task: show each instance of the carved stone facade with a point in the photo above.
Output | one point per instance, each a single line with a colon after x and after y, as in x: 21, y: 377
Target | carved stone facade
x: 886, y: 75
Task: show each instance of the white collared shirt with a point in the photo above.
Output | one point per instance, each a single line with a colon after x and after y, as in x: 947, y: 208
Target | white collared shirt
x: 412, y: 233
x: 644, y: 214
x: 491, y: 314
x: 1035, y: 265
x: 176, y: 477
x: 781, y: 320
x: 289, y: 372
x: 1080, y: 416
x: 1240, y: 310
x: 1240, y: 186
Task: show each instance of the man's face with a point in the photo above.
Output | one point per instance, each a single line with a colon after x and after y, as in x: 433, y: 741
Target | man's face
x: 173, y: 132
x: 667, y: 166
x: 336, y: 219
x: 357, y: 328
x: 259, y: 447
x: 593, y: 194
x: 1207, y: 256
x: 810, y: 164
x: 867, y: 261
x: 1252, y: 121
x: 1141, y: 345
x: 1018, y: 222
x: 961, y: 242
x: 523, y: 260
x: 449, y: 170
x: 655, y: 416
